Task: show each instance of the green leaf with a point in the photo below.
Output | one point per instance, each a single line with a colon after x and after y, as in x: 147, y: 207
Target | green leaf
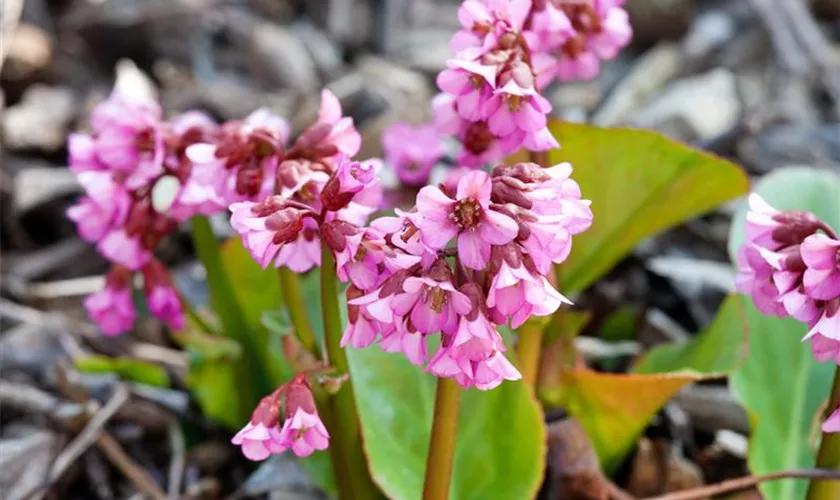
x: 500, y: 450
x: 719, y: 349
x: 614, y: 421
x: 793, y: 188
x: 136, y: 370
x: 258, y: 291
x: 640, y: 182
x: 782, y: 387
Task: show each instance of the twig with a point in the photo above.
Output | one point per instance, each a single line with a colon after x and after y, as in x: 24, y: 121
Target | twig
x: 138, y: 477
x: 176, y: 466
x: 742, y: 483
x: 89, y: 434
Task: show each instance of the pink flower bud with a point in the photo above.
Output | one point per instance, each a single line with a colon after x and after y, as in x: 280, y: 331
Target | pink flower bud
x: 113, y: 307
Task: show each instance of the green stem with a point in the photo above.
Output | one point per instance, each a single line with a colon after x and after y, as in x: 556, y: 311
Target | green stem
x: 251, y: 372
x: 293, y: 298
x: 828, y: 457
x: 349, y: 461
x: 442, y: 442
x: 528, y: 349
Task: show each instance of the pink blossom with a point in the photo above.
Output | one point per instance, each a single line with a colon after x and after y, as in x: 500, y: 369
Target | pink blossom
x: 516, y: 104
x: 349, y: 179
x: 615, y: 32
x: 358, y: 252
x: 259, y: 441
x: 483, y: 21
x: 471, y: 83
x: 164, y: 303
x: 82, y: 154
x: 304, y: 433
x: 550, y: 28
x: 825, y: 349
x: 128, y: 138
x: 304, y: 253
x: 342, y: 134
x: 121, y: 248
x: 412, y: 151
x: 302, y: 430
x: 406, y: 339
x: 516, y: 293
x: 113, y: 307
x: 468, y: 216
x: 266, y: 227
x: 821, y: 255
x: 832, y: 423
x: 94, y: 219
x: 432, y: 305
x: 362, y: 328
x: 753, y: 279
x: 582, y: 65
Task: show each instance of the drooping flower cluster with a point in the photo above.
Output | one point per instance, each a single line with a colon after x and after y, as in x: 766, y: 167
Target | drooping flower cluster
x: 277, y: 193
x: 790, y: 266
x: 139, y: 185
x: 469, y: 257
x: 507, y: 52
x: 300, y: 429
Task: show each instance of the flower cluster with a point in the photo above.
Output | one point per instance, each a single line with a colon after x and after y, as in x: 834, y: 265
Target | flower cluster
x: 507, y: 52
x: 790, y: 266
x: 279, y: 195
x: 300, y: 429
x: 139, y: 185
x: 472, y: 254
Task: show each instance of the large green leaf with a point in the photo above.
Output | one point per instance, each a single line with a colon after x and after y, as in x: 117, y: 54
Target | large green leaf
x: 640, y: 182
x: 720, y: 349
x: 500, y: 450
x: 793, y: 188
x: 782, y: 388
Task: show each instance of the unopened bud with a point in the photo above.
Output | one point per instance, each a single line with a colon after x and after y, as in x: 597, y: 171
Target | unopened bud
x: 286, y: 224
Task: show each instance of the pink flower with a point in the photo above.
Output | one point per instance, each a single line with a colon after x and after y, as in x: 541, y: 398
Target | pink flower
x: 469, y: 217
x: 832, y: 423
x: 358, y: 252
x: 128, y: 138
x: 433, y: 306
x: 412, y: 151
x: 121, y: 248
x: 82, y: 154
x: 162, y: 298
x: 483, y: 21
x: 753, y: 279
x: 94, y: 219
x: 550, y: 28
x: 615, y: 30
x: 265, y: 227
x: 304, y: 253
x: 304, y: 433
x: 821, y: 255
x: 825, y: 349
x: 471, y: 83
x: 333, y: 133
x: 349, y: 179
x: 259, y: 441
x: 516, y: 293
x: 113, y: 308
x: 406, y: 339
x: 362, y: 328
x: 580, y: 64
x: 516, y: 105
x: 302, y: 430
x: 474, y: 356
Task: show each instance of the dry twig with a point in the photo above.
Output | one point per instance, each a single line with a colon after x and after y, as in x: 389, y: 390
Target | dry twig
x: 743, y: 483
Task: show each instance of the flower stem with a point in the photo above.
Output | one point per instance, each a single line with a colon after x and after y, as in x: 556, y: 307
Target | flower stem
x: 442, y: 442
x: 828, y: 456
x: 293, y: 298
x: 349, y: 461
x: 528, y: 349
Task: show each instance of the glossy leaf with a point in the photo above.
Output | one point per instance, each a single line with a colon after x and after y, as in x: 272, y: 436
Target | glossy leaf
x: 782, y: 388
x: 640, y: 182
x: 793, y: 188
x: 719, y: 349
x: 500, y: 450
x: 136, y: 370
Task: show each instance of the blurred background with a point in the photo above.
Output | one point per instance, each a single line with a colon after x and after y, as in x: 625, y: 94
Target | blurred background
x: 756, y: 81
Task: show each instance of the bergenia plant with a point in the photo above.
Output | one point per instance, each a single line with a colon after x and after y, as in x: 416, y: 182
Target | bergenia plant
x: 441, y: 282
